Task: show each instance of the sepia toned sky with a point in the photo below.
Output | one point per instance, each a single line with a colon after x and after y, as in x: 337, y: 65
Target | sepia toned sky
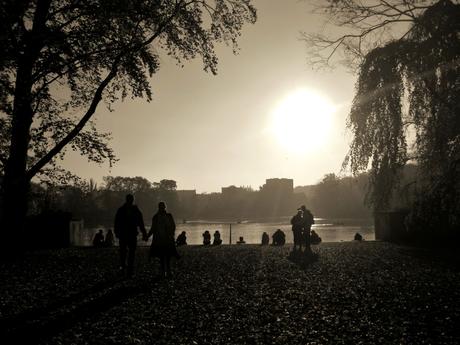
x: 208, y: 131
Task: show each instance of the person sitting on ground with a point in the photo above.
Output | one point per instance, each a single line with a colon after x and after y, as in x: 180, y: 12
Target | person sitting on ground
x: 98, y: 240
x: 279, y: 238
x: 217, y: 240
x: 241, y: 240
x: 358, y: 237
x: 109, y: 239
x: 181, y: 239
x: 265, y: 239
x: 314, y: 238
x: 206, y: 238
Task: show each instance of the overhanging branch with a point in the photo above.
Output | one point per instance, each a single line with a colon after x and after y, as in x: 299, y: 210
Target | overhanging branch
x: 98, y: 95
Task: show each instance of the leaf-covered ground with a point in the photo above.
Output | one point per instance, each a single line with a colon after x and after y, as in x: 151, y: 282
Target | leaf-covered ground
x: 354, y: 293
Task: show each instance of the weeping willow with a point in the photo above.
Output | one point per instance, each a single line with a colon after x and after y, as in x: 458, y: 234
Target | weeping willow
x: 407, y: 109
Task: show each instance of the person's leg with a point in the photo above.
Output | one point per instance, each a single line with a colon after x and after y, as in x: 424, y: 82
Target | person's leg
x: 168, y: 265
x: 131, y: 254
x: 162, y: 266
x: 123, y: 247
x: 307, y: 241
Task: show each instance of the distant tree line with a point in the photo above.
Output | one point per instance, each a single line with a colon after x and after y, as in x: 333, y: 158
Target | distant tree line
x: 338, y: 197
x: 333, y: 197
x: 96, y: 205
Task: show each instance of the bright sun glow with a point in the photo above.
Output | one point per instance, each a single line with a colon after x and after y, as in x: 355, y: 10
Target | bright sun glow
x: 302, y: 121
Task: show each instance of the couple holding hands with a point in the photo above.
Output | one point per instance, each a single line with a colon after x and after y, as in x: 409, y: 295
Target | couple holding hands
x: 127, y: 221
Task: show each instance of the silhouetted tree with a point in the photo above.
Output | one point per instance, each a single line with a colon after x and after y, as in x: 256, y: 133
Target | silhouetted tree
x: 408, y: 87
x: 61, y: 58
x: 338, y: 197
x: 165, y: 184
x: 127, y: 184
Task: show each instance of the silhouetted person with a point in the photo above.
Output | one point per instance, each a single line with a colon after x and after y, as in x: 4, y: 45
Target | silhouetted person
x: 308, y: 221
x: 279, y: 238
x: 241, y: 240
x: 314, y: 238
x: 206, y: 238
x: 297, y: 223
x: 217, y: 240
x: 109, y: 239
x: 127, y: 221
x: 358, y: 237
x: 265, y: 239
x: 181, y: 240
x: 162, y: 232
x: 98, y: 240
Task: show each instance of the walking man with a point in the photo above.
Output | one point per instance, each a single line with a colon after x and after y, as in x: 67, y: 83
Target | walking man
x: 127, y: 221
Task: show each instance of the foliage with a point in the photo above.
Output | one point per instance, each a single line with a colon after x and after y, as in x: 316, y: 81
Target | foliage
x: 338, y: 197
x: 86, y: 51
x: 358, y: 27
x: 406, y: 104
x: 424, y: 67
x: 127, y: 184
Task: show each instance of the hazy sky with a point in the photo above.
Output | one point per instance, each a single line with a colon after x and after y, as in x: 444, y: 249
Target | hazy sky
x: 208, y: 131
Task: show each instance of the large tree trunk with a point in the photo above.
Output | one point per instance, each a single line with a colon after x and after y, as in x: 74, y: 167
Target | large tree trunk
x: 15, y: 185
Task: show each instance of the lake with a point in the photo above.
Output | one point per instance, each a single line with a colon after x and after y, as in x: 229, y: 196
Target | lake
x: 330, y: 230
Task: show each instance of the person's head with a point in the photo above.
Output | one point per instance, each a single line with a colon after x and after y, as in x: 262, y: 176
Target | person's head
x: 101, y: 231
x: 241, y: 238
x: 303, y: 208
x: 129, y: 199
x: 183, y: 232
x: 161, y: 206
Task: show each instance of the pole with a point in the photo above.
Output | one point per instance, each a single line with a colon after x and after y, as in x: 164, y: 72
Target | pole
x: 230, y: 233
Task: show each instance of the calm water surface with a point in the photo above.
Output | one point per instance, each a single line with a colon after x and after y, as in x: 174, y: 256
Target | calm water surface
x: 330, y: 230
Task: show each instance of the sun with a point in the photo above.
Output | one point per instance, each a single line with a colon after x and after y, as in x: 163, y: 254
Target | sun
x: 302, y: 121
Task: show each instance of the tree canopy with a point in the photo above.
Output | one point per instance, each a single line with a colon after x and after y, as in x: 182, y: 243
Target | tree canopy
x: 79, y: 52
x: 406, y: 106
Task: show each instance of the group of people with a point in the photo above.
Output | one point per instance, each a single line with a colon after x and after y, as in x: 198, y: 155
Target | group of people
x: 129, y: 219
x: 100, y: 240
x: 217, y: 240
x: 301, y: 228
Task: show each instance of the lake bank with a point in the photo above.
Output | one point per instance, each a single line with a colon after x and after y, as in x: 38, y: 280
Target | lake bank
x: 330, y: 230
x: 369, y: 292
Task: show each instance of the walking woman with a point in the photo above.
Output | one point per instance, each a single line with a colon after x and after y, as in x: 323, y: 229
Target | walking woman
x: 162, y: 232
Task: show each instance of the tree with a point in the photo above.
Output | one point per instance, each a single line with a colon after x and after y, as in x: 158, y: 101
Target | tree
x: 60, y: 59
x: 127, y: 184
x: 406, y: 104
x: 170, y: 185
